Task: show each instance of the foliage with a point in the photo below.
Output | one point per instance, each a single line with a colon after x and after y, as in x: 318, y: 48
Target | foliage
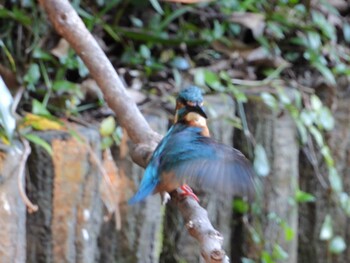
x: 211, y: 44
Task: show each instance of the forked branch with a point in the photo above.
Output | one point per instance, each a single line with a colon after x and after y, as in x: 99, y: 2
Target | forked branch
x: 69, y: 25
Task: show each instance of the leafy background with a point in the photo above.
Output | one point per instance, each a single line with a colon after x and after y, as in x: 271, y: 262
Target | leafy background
x: 275, y: 52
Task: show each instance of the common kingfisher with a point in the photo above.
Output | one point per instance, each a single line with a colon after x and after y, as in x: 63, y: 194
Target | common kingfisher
x: 187, y: 155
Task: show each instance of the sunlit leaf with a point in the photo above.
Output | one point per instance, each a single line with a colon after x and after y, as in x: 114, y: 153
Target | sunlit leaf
x: 337, y: 245
x: 326, y: 72
x: 327, y: 228
x: 307, y: 117
x: 346, y: 32
x: 107, y: 126
x: 289, y: 233
x: 266, y: 257
x: 261, y: 163
x: 247, y: 260
x: 65, y: 86
x: 345, y: 202
x: 7, y: 120
x: 32, y: 76
x: 325, y: 119
x: 41, y: 123
x: 83, y: 70
x: 180, y: 63
x: 157, y: 6
x: 279, y: 253
x: 269, y: 100
x: 335, y: 180
x: 317, y: 135
x: 37, y: 140
x: 240, y: 206
x: 303, y: 197
x: 314, y: 40
x: 316, y: 103
x: 212, y: 80
x: 145, y: 52
x: 199, y: 77
x: 39, y: 109
x: 302, y: 131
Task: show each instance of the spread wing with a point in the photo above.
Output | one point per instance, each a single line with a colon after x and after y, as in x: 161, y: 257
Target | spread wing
x: 202, y: 162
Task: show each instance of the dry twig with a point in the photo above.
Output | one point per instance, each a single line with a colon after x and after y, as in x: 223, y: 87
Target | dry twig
x: 68, y: 24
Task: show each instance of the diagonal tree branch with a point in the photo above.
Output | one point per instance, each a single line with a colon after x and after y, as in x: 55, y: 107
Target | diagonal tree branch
x: 69, y: 25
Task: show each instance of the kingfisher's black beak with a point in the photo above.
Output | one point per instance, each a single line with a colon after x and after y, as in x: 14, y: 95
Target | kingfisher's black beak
x: 199, y: 109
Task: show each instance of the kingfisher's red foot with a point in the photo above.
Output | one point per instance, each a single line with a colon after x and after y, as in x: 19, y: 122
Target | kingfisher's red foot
x: 187, y: 191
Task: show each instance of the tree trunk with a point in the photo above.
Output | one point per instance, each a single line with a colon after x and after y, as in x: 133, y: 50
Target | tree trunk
x: 140, y: 239
x: 66, y: 188
x: 277, y: 134
x: 12, y: 208
x: 312, y: 215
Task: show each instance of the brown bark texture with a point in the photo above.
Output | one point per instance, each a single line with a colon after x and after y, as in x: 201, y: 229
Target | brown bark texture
x: 312, y: 215
x: 140, y: 237
x: 66, y: 188
x: 277, y: 133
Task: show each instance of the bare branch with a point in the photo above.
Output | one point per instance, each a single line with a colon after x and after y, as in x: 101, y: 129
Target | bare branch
x: 68, y: 24
x: 20, y: 179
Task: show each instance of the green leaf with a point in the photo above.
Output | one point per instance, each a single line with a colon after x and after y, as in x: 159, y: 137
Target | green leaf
x: 261, y: 163
x: 212, y: 80
x: 325, y: 119
x: 37, y: 140
x: 157, y: 6
x: 307, y: 117
x: 316, y: 134
x: 316, y: 103
x: 314, y: 40
x: 303, y: 197
x: 43, y: 55
x: 346, y: 32
x: 107, y: 126
x: 327, y: 228
x: 136, y: 21
x: 337, y: 245
x: 279, y: 253
x: 269, y: 100
x: 199, y: 77
x: 335, y: 180
x: 32, y: 76
x: 180, y: 63
x: 218, y: 30
x: 240, y: 206
x: 39, y: 109
x: 345, y: 202
x: 326, y: 72
x: 83, y: 70
x: 145, y: 52
x: 247, y: 260
x: 65, y: 86
x: 302, y: 131
x: 289, y: 233
x: 7, y: 120
x: 327, y: 155
x: 266, y: 257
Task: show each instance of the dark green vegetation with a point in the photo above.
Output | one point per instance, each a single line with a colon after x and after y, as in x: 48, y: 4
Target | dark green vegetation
x: 288, y: 54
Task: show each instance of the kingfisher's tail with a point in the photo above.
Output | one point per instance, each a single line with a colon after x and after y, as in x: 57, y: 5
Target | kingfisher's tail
x: 143, y: 192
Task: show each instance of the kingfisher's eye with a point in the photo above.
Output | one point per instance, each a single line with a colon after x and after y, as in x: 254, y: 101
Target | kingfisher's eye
x: 191, y: 103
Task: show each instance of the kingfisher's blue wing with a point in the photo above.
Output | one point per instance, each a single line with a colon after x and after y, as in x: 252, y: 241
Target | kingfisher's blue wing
x: 201, y: 161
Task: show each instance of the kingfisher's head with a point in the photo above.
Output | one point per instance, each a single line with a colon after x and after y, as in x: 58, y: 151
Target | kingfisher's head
x: 189, y: 100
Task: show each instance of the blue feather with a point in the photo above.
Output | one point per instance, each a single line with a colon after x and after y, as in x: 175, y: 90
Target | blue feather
x: 148, y: 184
x: 151, y: 178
